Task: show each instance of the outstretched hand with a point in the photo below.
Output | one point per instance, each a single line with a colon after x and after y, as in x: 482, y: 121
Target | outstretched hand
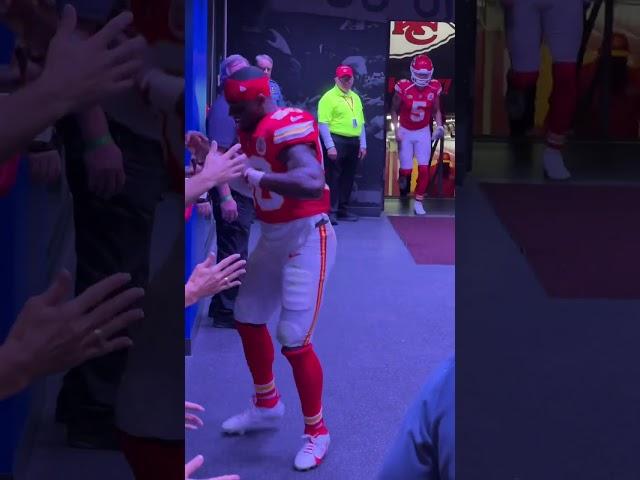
x: 192, y: 421
x: 209, y: 277
x: 85, y: 71
x: 220, y: 168
x: 52, y: 334
x: 196, y: 463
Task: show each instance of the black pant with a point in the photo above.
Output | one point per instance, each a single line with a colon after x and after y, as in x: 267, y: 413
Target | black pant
x: 232, y: 237
x: 341, y: 172
x: 111, y: 236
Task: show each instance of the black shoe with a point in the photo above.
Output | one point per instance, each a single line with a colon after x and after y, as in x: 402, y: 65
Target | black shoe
x: 347, y: 217
x: 333, y: 219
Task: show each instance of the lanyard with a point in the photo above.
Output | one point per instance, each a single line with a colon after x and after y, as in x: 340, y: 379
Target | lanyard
x: 349, y: 101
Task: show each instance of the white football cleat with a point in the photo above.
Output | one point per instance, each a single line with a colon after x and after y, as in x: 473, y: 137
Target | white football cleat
x: 418, y: 208
x: 254, y: 418
x: 312, y: 453
x: 554, y: 166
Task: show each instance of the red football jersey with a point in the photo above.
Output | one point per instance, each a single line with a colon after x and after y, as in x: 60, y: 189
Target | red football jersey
x: 416, y: 108
x: 275, y: 132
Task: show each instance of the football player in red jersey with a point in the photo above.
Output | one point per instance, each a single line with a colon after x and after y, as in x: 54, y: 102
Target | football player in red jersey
x: 527, y: 23
x: 287, y: 271
x: 415, y: 103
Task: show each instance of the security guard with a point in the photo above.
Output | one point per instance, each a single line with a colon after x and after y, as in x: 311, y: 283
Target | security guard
x: 341, y: 123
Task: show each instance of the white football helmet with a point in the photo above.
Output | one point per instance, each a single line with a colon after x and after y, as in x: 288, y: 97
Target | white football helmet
x: 421, y: 70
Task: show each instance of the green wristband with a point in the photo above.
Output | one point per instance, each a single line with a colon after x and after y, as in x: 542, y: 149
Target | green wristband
x: 97, y: 143
x: 226, y: 198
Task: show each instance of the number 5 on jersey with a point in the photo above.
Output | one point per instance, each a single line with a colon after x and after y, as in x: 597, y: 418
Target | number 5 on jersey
x: 418, y: 109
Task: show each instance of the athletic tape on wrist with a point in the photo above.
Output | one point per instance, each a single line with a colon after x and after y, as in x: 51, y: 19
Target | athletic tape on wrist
x: 254, y: 176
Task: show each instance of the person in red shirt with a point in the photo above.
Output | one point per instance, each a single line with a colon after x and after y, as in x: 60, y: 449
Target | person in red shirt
x: 415, y: 103
x: 289, y: 267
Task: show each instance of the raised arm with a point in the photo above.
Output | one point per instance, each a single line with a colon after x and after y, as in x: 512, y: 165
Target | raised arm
x: 77, y: 73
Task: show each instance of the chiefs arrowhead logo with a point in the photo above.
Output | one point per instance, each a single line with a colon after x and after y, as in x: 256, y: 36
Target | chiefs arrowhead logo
x: 412, y: 38
x: 242, y: 88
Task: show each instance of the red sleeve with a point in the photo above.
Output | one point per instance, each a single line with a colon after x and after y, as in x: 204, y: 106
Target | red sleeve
x: 437, y: 86
x: 401, y: 86
x: 293, y: 128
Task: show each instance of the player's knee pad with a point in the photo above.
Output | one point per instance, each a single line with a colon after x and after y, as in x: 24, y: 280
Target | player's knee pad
x: 291, y: 333
x: 299, y: 295
x: 298, y: 289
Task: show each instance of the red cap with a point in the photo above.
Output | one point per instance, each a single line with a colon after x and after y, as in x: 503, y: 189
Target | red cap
x: 344, y: 71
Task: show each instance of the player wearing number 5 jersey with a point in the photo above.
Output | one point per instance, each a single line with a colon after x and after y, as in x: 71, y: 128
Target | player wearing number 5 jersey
x: 287, y: 271
x: 416, y: 102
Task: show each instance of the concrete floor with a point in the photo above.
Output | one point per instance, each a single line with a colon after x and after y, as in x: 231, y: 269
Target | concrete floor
x: 385, y: 325
x: 408, y: 328
x: 545, y: 387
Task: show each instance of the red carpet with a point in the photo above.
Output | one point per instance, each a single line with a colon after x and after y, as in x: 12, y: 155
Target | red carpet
x: 581, y: 241
x: 431, y: 240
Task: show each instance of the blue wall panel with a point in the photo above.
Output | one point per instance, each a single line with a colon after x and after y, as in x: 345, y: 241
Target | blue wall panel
x: 196, y: 75
x: 13, y: 411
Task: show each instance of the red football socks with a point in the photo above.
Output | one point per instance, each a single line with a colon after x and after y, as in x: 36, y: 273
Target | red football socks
x: 307, y: 373
x: 523, y: 80
x: 423, y: 181
x: 258, y: 350
x: 562, y: 103
x: 405, y: 172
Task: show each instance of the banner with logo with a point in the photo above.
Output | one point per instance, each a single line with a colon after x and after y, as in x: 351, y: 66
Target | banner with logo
x: 413, y: 38
x: 305, y: 65
x: 436, y: 39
